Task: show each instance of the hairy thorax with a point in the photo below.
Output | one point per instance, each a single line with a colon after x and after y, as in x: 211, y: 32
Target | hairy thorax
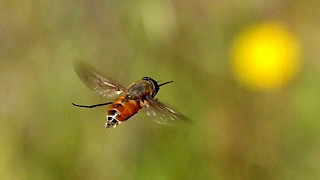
x: 140, y: 90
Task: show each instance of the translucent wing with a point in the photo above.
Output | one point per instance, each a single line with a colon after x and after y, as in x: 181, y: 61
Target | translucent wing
x: 97, y: 81
x: 162, y: 114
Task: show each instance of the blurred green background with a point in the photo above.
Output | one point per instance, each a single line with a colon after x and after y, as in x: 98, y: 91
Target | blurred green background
x: 239, y: 132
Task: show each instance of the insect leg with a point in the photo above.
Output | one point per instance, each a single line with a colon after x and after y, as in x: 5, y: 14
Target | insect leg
x: 91, y: 106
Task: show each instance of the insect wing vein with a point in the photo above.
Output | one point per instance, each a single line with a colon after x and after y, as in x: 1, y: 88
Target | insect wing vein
x: 162, y: 114
x: 96, y: 81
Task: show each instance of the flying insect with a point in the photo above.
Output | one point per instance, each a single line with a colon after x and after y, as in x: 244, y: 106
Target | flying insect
x: 139, y: 95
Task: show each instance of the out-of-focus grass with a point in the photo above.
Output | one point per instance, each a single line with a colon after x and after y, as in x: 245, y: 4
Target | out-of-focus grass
x: 237, y: 133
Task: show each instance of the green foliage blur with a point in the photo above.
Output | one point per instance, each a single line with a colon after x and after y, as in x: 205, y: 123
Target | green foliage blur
x: 236, y: 133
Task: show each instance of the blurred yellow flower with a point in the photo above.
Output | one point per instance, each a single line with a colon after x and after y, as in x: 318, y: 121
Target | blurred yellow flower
x: 265, y: 56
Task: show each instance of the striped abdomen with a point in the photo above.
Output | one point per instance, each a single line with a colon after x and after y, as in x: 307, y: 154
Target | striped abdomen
x: 121, y: 110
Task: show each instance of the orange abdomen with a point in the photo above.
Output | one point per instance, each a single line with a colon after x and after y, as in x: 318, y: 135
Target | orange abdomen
x: 123, y: 108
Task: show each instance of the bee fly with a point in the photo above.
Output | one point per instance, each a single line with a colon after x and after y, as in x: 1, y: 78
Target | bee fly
x: 139, y: 95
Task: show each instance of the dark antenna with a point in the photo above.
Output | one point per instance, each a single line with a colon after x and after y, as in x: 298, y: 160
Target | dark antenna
x: 92, y: 106
x: 165, y: 83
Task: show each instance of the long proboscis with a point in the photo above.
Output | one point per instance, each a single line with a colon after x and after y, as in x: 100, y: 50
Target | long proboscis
x: 165, y: 83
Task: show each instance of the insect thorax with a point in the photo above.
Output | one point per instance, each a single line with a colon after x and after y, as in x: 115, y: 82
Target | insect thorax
x: 140, y: 90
